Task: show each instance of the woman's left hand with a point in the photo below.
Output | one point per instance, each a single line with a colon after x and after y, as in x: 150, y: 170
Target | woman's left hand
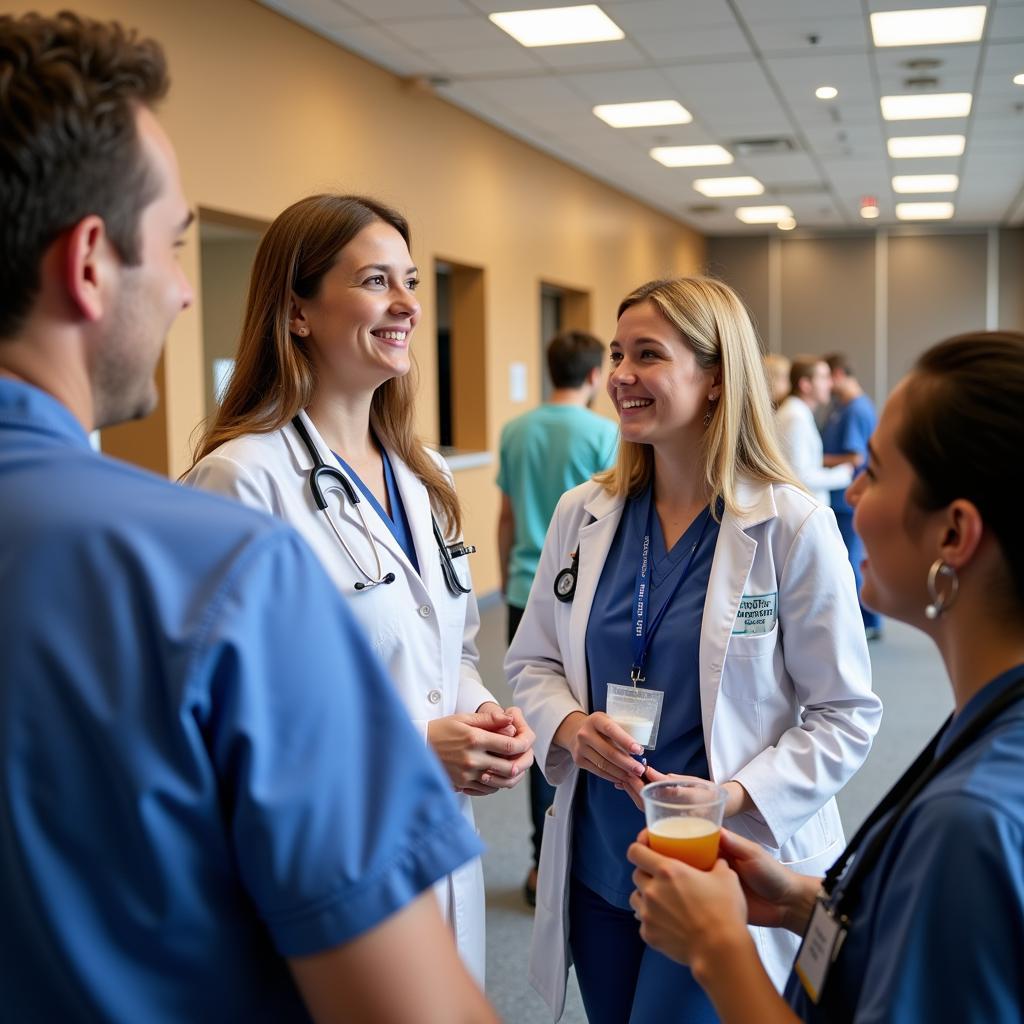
x: 518, y: 731
x: 685, y: 913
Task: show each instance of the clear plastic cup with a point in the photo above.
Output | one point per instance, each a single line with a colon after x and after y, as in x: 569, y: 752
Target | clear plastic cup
x: 684, y: 819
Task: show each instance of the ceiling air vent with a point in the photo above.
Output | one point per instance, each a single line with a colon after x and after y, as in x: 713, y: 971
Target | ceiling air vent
x: 762, y: 147
x: 921, y: 82
x: 704, y: 209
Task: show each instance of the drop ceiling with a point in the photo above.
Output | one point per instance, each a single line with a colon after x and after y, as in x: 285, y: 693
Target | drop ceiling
x: 746, y: 70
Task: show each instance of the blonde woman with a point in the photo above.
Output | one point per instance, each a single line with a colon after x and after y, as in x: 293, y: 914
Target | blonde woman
x: 317, y: 429
x: 705, y: 572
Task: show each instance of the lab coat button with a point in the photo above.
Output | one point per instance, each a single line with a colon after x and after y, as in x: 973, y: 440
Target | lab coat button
x: 434, y: 696
x: 425, y: 611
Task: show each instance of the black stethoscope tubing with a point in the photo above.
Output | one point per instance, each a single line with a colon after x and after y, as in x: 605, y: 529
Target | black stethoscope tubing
x: 335, y: 477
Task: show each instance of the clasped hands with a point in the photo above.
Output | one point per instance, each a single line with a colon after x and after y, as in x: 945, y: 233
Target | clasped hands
x: 485, y: 751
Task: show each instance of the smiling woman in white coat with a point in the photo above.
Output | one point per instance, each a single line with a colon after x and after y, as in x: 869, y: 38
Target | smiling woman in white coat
x: 699, y: 570
x: 316, y: 427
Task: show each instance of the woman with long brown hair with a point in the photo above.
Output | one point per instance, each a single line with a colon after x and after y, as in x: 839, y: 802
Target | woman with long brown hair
x: 316, y: 428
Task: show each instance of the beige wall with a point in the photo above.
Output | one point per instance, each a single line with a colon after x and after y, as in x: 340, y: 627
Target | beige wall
x: 263, y: 111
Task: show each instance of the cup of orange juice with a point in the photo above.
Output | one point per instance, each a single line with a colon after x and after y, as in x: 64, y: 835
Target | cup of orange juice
x: 684, y: 819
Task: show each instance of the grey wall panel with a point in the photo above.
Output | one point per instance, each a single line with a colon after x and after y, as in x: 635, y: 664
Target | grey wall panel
x: 828, y: 300
x: 936, y: 289
x: 743, y: 264
x: 1011, y: 279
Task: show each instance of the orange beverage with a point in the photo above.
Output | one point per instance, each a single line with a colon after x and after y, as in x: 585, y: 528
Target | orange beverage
x: 690, y: 839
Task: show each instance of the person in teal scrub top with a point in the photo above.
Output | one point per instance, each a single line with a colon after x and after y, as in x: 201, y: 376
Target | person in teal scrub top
x: 922, y: 918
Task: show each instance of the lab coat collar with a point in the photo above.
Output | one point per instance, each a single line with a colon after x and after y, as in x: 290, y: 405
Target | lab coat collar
x: 755, y: 499
x: 603, y: 503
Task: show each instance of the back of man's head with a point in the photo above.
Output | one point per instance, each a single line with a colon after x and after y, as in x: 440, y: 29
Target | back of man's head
x: 69, y: 147
x: 572, y: 357
x: 802, y: 369
x: 839, y: 362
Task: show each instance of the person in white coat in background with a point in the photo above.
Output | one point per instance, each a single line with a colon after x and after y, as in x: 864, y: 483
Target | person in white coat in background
x: 810, y: 382
x: 316, y: 427
x: 701, y: 568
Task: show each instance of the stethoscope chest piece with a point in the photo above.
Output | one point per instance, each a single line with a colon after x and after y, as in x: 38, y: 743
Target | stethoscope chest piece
x: 565, y: 581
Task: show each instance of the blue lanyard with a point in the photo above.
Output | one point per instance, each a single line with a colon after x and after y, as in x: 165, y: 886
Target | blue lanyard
x: 643, y: 635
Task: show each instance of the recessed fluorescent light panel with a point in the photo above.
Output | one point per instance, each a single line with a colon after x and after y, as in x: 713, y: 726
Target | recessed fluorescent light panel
x: 643, y: 115
x: 763, y: 214
x: 1018, y: 79
x: 913, y: 146
x: 559, y: 26
x: 924, y: 211
x: 722, y: 188
x: 691, y: 156
x: 905, y: 183
x: 909, y: 108
x: 826, y: 92
x: 786, y: 224
x: 928, y: 27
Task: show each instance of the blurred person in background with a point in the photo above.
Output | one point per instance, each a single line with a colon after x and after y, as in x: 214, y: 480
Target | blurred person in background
x: 845, y: 440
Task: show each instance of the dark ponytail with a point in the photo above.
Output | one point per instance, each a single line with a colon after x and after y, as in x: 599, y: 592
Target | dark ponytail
x: 963, y: 433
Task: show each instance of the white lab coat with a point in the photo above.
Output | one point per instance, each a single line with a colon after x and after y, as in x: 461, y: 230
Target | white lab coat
x: 802, y: 446
x: 789, y: 714
x: 424, y: 635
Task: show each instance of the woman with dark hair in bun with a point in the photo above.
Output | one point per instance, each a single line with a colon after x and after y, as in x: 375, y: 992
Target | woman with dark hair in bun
x: 922, y: 918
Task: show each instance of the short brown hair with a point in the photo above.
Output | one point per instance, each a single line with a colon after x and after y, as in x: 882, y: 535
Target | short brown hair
x: 69, y: 90
x: 802, y: 368
x: 572, y: 355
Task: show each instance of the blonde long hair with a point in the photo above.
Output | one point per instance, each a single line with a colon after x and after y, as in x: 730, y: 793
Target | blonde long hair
x: 740, y: 439
x: 275, y: 375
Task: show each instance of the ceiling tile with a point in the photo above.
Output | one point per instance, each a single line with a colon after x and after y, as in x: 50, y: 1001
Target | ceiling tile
x: 447, y: 33
x: 720, y: 41
x: 592, y: 55
x: 379, y: 10
x: 639, y: 15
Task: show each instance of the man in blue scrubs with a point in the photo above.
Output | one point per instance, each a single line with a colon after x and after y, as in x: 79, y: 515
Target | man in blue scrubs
x: 845, y: 439
x: 197, y: 820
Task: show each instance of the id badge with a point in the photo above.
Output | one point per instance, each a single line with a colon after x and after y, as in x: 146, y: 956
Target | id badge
x: 637, y: 710
x: 822, y: 942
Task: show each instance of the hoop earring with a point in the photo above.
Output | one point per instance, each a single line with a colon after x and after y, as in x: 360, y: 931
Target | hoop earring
x: 941, y: 602
x: 709, y: 413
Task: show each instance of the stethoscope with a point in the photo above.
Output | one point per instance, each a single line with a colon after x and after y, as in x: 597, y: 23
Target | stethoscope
x: 565, y: 581
x: 336, y: 479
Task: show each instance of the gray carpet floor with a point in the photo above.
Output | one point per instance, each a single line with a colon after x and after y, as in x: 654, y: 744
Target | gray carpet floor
x: 908, y: 676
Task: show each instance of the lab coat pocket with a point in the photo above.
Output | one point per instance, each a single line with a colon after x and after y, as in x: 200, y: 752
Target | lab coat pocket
x: 753, y: 666
x: 757, y: 646
x: 550, y: 876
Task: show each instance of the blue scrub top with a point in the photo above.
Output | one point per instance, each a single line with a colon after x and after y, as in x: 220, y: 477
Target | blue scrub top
x: 191, y: 784
x: 399, y: 525
x: 847, y: 430
x: 939, y: 933
x: 606, y: 819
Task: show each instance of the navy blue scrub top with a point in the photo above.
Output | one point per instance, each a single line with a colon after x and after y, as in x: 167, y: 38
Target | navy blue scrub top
x: 939, y: 932
x: 399, y: 525
x: 606, y: 819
